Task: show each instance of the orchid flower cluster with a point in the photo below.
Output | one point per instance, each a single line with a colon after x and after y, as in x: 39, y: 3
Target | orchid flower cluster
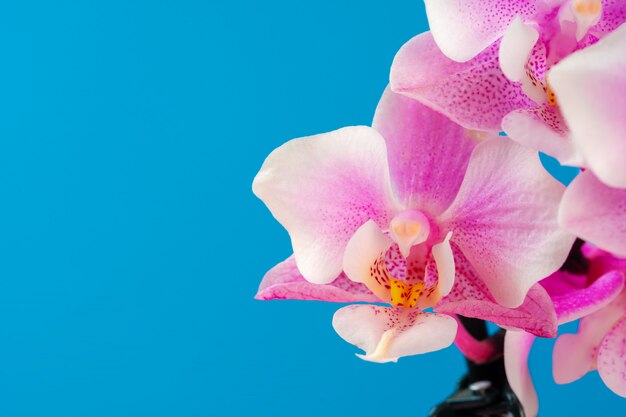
x: 432, y: 213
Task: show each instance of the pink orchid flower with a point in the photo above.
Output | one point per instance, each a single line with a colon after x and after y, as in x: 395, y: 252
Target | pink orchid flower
x: 550, y: 73
x: 599, y: 298
x: 414, y: 213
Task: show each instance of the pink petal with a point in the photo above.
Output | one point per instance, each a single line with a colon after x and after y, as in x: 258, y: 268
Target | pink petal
x: 284, y: 281
x: 389, y: 333
x: 578, y: 303
x: 595, y: 212
x: 571, y: 359
x: 613, y: 15
x: 428, y: 153
x: 589, y: 86
x: 517, y: 347
x: 475, y: 94
x: 576, y: 354
x: 470, y: 298
x: 504, y: 219
x: 463, y: 28
x: 612, y: 359
x: 542, y: 129
x: 321, y: 189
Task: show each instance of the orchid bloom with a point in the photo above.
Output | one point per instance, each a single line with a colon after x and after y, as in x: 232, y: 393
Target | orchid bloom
x: 599, y: 298
x: 551, y: 74
x: 416, y: 212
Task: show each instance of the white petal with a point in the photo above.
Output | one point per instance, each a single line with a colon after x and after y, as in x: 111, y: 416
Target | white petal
x: 517, y: 347
x: 322, y: 189
x: 515, y: 48
x: 463, y: 28
x: 590, y: 87
x: 388, y: 333
x: 368, y: 245
x: 444, y: 258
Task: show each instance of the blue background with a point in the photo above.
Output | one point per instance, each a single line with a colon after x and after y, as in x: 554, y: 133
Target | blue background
x: 131, y: 244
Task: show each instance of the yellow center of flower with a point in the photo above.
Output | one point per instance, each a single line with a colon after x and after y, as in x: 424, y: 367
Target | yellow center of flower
x: 403, y: 294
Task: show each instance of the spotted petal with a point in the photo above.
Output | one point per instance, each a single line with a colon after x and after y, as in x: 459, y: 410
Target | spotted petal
x: 475, y: 94
x: 364, y: 260
x: 471, y: 298
x: 612, y: 359
x: 389, y: 333
x: 543, y: 129
x: 504, y: 220
x: 463, y: 28
x: 322, y: 189
x: 576, y: 354
x: 284, y: 282
x: 428, y: 153
x: 589, y: 86
x: 613, y: 15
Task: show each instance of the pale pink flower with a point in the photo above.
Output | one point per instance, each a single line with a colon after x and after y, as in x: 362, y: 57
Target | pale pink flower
x: 551, y: 74
x: 416, y: 212
x: 599, y: 298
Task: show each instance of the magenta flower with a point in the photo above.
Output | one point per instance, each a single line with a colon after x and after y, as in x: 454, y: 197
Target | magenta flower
x: 549, y: 73
x: 599, y: 298
x: 416, y: 212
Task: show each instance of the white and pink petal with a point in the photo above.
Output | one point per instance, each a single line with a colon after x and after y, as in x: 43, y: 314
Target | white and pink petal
x: 428, y: 153
x: 322, y: 189
x: 543, y: 129
x: 471, y: 298
x: 504, y: 219
x: 576, y: 354
x: 612, y: 359
x: 515, y: 49
x: 284, y: 282
x: 613, y: 15
x: 463, y: 28
x: 364, y: 259
x: 475, y: 94
x: 389, y: 333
